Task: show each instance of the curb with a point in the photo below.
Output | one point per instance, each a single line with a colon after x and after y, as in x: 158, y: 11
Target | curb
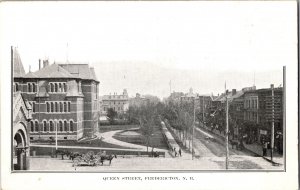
x: 267, y: 159
x: 258, y: 155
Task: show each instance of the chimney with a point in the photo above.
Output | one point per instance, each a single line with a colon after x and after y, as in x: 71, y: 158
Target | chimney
x: 39, y: 64
x: 45, y: 63
x: 233, y: 91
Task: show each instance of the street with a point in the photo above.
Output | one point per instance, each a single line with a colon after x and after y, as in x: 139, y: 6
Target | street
x: 215, y: 150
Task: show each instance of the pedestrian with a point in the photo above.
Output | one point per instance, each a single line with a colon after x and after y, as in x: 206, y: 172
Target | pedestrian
x: 265, y: 146
x: 179, y: 151
x: 175, y: 152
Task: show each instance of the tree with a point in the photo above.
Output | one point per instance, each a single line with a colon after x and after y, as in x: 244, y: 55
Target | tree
x: 111, y: 114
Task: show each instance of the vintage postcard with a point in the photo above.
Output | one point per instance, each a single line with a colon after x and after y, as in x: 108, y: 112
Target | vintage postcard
x: 149, y: 92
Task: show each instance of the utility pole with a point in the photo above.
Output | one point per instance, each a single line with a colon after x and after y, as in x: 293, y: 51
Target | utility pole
x: 284, y: 107
x: 273, y: 118
x: 193, y: 129
x: 227, y: 131
x: 55, y: 135
x: 203, y: 111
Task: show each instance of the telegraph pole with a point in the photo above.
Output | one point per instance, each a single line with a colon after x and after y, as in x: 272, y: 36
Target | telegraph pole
x: 55, y: 135
x: 227, y: 131
x: 273, y: 118
x: 193, y: 129
x: 203, y: 110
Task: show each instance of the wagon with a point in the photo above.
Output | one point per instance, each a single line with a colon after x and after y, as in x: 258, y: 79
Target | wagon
x: 89, y: 159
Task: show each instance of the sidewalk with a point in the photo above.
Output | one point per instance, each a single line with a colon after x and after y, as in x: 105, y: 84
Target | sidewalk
x: 256, y: 149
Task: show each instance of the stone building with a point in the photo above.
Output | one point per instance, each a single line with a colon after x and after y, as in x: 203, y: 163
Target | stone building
x: 64, y: 98
x: 118, y: 102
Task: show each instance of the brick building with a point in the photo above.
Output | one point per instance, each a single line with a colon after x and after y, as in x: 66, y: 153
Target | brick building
x: 64, y: 97
x: 258, y: 114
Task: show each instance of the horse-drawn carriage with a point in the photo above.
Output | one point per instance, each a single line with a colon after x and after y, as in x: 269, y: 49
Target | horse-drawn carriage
x: 91, y: 159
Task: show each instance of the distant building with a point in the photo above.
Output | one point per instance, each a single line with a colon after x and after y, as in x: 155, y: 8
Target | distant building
x: 119, y: 103
x: 258, y: 114
x: 176, y: 96
x: 138, y: 101
x: 64, y: 97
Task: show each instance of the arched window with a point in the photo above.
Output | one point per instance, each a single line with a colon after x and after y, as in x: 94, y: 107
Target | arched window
x: 61, y: 107
x: 65, y: 87
x: 52, y: 107
x: 51, y: 126
x: 60, y: 126
x: 69, y: 106
x: 51, y: 87
x: 36, y: 126
x: 56, y: 107
x: 44, y: 126
x: 60, y: 88
x: 65, y: 107
x: 33, y: 87
x: 48, y: 107
x: 71, y: 126
x: 29, y: 87
x: 65, y: 126
x: 31, y: 126
x: 56, y: 87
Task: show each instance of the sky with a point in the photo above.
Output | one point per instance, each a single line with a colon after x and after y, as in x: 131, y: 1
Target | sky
x: 142, y: 46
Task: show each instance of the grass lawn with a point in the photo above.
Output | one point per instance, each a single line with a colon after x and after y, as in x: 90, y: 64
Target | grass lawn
x: 92, y: 143
x: 105, y: 128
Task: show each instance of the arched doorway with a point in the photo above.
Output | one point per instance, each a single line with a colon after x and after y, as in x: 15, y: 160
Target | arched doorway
x: 20, y: 147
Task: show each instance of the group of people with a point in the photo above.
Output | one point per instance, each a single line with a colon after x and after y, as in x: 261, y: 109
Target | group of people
x: 175, y: 151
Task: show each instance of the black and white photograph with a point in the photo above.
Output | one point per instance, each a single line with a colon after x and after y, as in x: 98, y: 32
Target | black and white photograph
x: 176, y: 87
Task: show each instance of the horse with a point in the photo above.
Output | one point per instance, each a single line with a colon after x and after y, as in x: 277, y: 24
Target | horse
x: 107, y: 157
x: 74, y: 155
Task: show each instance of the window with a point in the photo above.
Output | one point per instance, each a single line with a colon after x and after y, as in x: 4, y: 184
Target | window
x: 71, y: 126
x: 65, y: 107
x: 33, y: 87
x: 33, y: 107
x: 51, y: 126
x: 52, y: 107
x: 56, y: 87
x: 31, y: 126
x: 51, y: 87
x: 36, y: 126
x: 17, y: 86
x: 61, y: 107
x: 65, y: 138
x: 29, y: 87
x: 69, y: 106
x: 60, y: 88
x: 65, y: 87
x: 65, y: 126
x: 60, y: 126
x: 44, y: 126
x: 56, y: 107
x: 48, y: 107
